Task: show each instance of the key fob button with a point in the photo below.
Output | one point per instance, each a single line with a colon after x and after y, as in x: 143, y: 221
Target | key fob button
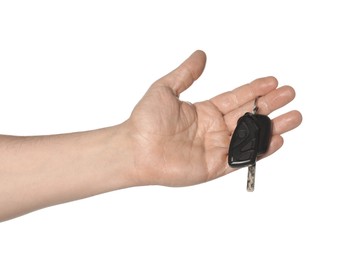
x: 242, y: 134
x: 246, y: 156
x: 250, y: 145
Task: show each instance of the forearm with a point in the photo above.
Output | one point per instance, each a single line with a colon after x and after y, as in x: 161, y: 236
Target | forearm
x: 37, y: 172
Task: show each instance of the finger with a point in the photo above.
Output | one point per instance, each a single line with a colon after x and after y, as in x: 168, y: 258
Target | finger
x: 228, y: 101
x: 183, y: 76
x: 286, y: 122
x: 266, y: 104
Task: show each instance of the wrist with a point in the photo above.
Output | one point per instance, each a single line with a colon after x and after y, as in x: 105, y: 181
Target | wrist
x: 119, y: 157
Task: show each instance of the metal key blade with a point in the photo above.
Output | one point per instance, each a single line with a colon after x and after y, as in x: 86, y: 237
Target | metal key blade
x: 251, y: 178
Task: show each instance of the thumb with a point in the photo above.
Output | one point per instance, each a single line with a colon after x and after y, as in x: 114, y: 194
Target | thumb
x: 183, y: 76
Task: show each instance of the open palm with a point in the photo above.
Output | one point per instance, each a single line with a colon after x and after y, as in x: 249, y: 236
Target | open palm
x: 178, y: 143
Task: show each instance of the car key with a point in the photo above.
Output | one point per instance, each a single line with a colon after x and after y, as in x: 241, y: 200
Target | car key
x: 264, y: 124
x: 250, y: 139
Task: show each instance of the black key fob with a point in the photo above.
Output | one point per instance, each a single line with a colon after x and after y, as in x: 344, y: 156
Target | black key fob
x: 250, y: 139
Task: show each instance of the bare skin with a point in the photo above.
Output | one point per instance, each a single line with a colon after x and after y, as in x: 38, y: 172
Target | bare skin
x: 164, y: 142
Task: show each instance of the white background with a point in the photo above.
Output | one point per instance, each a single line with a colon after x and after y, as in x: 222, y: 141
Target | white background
x: 79, y: 65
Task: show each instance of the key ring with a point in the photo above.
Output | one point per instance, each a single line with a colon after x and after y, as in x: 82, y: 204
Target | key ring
x: 255, y: 107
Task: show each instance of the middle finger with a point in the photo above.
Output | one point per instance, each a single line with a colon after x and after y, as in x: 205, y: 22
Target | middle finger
x: 266, y: 104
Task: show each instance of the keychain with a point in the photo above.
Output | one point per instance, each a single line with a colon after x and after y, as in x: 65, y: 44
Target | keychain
x: 250, y: 139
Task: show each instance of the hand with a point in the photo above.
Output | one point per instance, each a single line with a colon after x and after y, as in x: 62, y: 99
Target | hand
x: 165, y: 141
x: 177, y: 143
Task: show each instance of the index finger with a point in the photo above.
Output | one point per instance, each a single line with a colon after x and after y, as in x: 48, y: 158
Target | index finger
x: 228, y: 101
